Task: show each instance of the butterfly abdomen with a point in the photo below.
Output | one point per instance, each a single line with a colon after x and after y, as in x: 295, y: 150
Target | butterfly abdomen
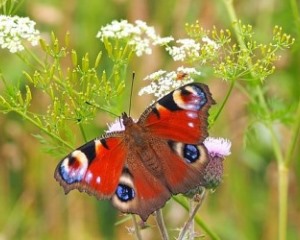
x: 140, y: 142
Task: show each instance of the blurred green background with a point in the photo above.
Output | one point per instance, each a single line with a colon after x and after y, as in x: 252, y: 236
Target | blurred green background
x: 32, y: 204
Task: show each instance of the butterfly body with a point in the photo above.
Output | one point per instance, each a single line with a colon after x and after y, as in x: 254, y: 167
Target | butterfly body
x: 141, y: 166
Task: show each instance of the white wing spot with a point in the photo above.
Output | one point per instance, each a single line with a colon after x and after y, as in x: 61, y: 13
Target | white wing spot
x: 192, y: 114
x: 88, y: 177
x: 98, y: 180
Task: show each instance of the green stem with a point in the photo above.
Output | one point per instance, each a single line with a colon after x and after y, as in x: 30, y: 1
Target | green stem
x: 295, y: 134
x: 82, y: 132
x: 193, y: 210
x: 233, y: 18
x: 50, y: 134
x: 136, y: 228
x: 225, y: 100
x: 198, y: 220
x: 161, y: 225
x: 36, y: 58
x: 275, y: 142
x: 283, y: 173
x: 296, y: 15
x: 16, y: 7
x: 27, y: 62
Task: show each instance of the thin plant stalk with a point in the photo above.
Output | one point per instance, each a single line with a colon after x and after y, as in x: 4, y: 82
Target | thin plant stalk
x: 198, y: 220
x: 283, y: 175
x: 192, y: 224
x: 296, y: 15
x: 294, y: 138
x: 161, y: 225
x: 43, y: 129
x: 137, y: 231
x: 283, y: 172
x: 224, y: 101
x: 192, y: 215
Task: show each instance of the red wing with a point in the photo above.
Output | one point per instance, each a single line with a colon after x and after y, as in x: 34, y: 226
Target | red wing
x: 180, y: 115
x: 140, y: 192
x: 95, y: 167
x: 184, y: 167
x: 173, y: 168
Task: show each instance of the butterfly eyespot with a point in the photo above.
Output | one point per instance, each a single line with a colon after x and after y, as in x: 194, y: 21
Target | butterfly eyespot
x: 191, y: 153
x: 202, y: 100
x: 125, y: 193
x: 191, y: 98
x: 73, y: 168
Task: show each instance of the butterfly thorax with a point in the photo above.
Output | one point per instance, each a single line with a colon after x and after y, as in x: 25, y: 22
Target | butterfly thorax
x: 140, y: 142
x: 134, y: 134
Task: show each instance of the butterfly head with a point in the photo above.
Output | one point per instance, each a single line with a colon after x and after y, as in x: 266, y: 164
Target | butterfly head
x: 127, y: 121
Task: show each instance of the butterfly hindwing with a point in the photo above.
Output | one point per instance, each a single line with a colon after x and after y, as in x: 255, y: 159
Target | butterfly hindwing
x: 147, y: 183
x: 140, y: 192
x: 184, y: 166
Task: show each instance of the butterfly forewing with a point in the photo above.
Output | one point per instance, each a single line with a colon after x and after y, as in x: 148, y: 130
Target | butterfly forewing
x: 94, y: 168
x: 180, y: 115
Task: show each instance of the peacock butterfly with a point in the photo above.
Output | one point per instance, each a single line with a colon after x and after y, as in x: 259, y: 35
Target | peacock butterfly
x: 140, y: 167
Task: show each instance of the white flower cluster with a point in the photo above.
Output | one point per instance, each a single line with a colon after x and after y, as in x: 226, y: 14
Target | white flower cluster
x: 163, y: 82
x: 210, y: 42
x: 143, y: 37
x: 188, y: 49
x: 14, y: 29
x: 139, y: 35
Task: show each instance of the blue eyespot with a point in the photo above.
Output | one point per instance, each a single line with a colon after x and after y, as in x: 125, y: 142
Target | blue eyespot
x: 73, y: 168
x: 191, y: 153
x: 125, y: 193
x: 202, y: 97
x: 69, y: 176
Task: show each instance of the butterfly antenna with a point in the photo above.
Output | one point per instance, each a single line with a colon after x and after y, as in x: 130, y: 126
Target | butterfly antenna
x: 100, y: 108
x: 131, y: 92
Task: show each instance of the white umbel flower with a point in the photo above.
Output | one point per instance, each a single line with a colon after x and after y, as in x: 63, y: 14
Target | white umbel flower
x: 210, y: 42
x: 14, y: 30
x: 187, y: 49
x: 138, y: 35
x: 162, y: 82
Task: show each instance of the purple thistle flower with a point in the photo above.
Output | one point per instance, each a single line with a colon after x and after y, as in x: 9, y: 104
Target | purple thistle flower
x: 218, y: 149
